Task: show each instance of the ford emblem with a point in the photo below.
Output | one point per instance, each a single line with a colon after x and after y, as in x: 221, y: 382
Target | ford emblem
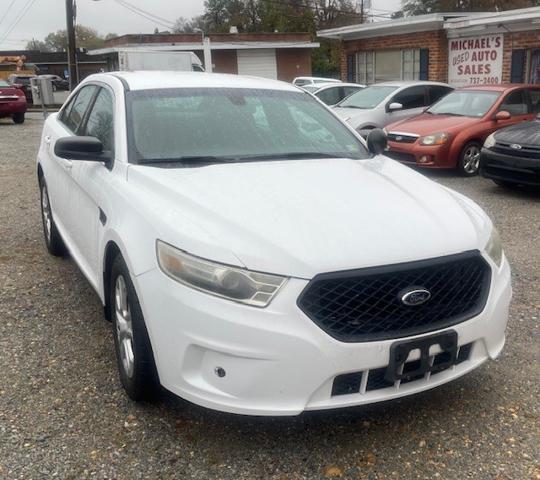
x: 515, y: 146
x: 399, y: 138
x: 414, y: 296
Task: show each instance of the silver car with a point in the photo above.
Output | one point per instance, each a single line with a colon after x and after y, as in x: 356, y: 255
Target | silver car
x: 333, y: 93
x: 384, y: 103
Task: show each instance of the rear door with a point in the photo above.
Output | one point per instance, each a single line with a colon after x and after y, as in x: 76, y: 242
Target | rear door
x: 58, y: 171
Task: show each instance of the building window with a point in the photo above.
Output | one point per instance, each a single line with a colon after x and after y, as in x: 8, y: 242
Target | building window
x: 534, y: 66
x: 387, y: 65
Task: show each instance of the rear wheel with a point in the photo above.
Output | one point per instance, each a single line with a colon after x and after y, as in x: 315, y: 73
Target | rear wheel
x: 469, y: 159
x: 53, y: 240
x: 18, y: 118
x: 134, y: 355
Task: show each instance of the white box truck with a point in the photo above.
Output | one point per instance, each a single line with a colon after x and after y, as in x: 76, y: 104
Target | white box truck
x: 130, y: 60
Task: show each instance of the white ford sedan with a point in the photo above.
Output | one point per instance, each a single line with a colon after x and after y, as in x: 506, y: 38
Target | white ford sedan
x: 255, y: 256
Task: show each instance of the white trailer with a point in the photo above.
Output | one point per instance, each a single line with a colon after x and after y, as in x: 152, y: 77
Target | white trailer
x: 137, y: 59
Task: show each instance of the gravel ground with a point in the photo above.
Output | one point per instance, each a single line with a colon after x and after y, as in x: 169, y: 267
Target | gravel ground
x: 63, y: 413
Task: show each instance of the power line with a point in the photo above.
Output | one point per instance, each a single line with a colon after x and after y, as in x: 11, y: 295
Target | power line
x: 7, y: 11
x: 144, y: 14
x: 21, y: 15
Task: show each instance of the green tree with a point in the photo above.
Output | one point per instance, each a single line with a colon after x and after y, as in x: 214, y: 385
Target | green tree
x: 419, y: 7
x: 37, y: 45
x: 86, y: 37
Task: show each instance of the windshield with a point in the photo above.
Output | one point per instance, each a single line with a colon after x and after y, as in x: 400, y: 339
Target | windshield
x: 471, y: 103
x: 301, y: 82
x: 367, y: 98
x: 3, y: 83
x: 234, y: 124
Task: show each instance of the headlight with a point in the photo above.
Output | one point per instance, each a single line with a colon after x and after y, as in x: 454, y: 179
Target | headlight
x: 494, y: 247
x: 435, y: 139
x: 251, y: 288
x: 490, y: 141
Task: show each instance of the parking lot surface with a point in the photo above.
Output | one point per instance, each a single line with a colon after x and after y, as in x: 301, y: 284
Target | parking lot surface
x: 63, y: 413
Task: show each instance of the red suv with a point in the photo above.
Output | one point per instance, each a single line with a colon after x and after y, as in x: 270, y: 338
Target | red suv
x: 12, y: 102
x: 450, y: 133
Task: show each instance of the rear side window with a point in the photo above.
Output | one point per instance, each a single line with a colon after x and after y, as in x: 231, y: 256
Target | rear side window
x: 515, y: 103
x: 100, y: 120
x: 73, y: 113
x: 535, y: 100
x: 413, y: 97
x: 435, y: 92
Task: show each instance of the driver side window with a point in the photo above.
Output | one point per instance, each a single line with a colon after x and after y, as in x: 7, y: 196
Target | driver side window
x: 413, y: 97
x: 100, y: 123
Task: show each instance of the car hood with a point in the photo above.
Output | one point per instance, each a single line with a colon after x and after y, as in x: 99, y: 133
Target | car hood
x: 426, y: 124
x: 353, y: 115
x: 300, y: 218
x: 527, y: 133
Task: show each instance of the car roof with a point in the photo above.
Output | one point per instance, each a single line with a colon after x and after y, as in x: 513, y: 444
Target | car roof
x: 324, y: 86
x: 501, y: 87
x: 409, y: 83
x: 145, y: 80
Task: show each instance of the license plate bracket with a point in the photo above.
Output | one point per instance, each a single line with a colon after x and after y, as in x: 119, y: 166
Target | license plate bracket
x: 399, y: 353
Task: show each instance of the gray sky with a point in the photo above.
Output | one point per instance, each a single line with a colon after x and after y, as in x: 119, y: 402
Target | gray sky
x: 45, y: 16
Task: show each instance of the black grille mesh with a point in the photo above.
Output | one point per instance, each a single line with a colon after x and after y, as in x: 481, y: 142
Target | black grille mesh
x: 365, y: 305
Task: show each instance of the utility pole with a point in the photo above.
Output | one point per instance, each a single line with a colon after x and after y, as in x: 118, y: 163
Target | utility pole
x: 71, y: 46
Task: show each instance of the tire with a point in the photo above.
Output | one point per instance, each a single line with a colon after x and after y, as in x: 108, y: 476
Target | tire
x: 505, y: 184
x: 53, y: 241
x: 469, y: 159
x: 18, y: 118
x: 135, y: 359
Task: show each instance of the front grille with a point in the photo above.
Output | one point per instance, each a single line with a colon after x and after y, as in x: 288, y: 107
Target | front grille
x: 401, y: 137
x: 400, y: 156
x: 523, y: 152
x: 350, y: 383
x: 365, y: 305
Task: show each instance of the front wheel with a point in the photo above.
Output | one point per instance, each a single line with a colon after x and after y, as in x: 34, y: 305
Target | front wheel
x: 469, y: 159
x: 53, y: 240
x: 134, y: 355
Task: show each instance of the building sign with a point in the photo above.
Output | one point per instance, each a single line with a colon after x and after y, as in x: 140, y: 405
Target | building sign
x: 475, y: 60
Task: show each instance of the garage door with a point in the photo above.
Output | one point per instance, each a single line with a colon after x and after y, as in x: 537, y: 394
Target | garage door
x: 261, y: 63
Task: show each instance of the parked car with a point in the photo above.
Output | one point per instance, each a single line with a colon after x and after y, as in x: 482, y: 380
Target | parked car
x: 12, y: 102
x: 379, y: 105
x: 450, y: 134
x: 332, y: 93
x: 23, y: 81
x: 254, y: 256
x: 304, y: 81
x: 511, y: 156
x: 58, y: 83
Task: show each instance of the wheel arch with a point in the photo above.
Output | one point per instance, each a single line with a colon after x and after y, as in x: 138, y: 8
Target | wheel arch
x: 112, y: 250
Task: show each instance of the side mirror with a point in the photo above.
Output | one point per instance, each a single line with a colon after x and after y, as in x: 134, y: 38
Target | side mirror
x: 395, y: 106
x: 89, y: 149
x: 377, y: 141
x: 17, y: 85
x: 502, y: 115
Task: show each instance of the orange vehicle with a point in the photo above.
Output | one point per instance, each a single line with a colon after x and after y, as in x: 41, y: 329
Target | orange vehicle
x: 450, y: 133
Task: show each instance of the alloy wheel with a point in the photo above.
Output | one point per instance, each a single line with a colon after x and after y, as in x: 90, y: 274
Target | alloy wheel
x: 124, y: 326
x: 46, y: 212
x: 471, y: 159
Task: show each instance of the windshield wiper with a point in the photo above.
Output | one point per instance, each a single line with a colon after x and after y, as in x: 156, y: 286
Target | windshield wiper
x: 294, y: 156
x: 451, y: 114
x: 354, y: 106
x: 188, y: 159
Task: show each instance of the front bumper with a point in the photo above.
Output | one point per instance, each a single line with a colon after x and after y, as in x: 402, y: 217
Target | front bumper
x: 425, y: 156
x: 509, y: 168
x: 276, y: 360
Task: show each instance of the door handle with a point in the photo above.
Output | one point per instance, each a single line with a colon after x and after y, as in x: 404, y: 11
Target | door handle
x: 66, y: 165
